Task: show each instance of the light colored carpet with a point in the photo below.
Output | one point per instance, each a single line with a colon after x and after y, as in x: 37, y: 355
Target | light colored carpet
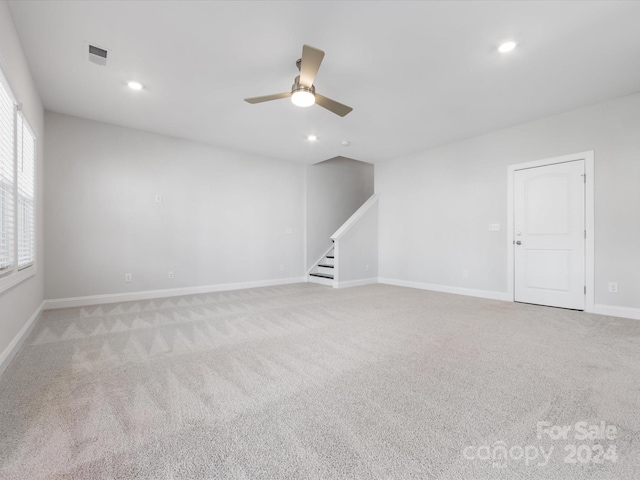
x: 303, y: 381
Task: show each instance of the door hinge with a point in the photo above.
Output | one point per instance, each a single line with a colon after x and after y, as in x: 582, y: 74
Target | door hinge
x: 585, y: 234
x: 585, y: 289
x: 584, y: 176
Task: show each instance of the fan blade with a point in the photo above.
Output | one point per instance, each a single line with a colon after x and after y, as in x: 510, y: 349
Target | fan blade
x: 311, y: 60
x: 267, y: 98
x: 332, y: 105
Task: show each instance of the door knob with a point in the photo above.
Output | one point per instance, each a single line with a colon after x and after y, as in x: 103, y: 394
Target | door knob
x: 518, y: 242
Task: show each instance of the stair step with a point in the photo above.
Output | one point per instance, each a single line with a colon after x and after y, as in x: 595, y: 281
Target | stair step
x: 325, y: 265
x: 322, y: 275
x: 327, y: 282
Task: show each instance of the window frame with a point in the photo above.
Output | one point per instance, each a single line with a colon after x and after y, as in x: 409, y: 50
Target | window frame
x: 16, y: 274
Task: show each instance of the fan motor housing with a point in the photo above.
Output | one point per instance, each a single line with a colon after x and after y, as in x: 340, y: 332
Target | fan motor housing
x: 296, y: 87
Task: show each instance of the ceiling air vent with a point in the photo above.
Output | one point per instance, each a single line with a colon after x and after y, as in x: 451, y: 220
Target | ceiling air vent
x: 97, y: 55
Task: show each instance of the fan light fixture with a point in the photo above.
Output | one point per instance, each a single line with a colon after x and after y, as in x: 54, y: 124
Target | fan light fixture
x: 303, y: 97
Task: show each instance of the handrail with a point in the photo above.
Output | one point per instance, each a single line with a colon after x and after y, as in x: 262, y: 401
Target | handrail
x: 353, y: 219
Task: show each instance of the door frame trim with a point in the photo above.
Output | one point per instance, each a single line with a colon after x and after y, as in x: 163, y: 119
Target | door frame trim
x: 589, y: 265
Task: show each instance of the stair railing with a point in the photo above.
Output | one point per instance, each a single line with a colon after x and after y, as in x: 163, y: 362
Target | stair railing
x: 356, y: 247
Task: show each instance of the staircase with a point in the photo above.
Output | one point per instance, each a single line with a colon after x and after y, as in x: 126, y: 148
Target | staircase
x: 322, y: 273
x: 350, y: 252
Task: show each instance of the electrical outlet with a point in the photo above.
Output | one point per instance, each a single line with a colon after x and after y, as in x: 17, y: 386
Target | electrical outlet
x: 465, y: 274
x: 494, y: 227
x: 613, y: 287
x: 170, y: 274
x: 158, y: 198
x: 127, y: 278
x: 366, y: 267
x: 288, y: 231
x: 282, y: 268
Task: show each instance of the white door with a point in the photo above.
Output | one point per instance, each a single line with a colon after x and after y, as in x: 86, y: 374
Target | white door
x: 549, y: 235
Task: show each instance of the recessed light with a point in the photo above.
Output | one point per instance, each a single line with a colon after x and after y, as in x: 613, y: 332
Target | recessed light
x: 312, y: 138
x: 135, y: 85
x: 508, y: 46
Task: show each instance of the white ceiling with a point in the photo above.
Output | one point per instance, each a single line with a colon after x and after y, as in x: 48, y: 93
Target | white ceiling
x: 418, y: 74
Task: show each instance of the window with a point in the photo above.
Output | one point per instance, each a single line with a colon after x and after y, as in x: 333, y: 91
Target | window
x: 7, y: 161
x: 25, y: 169
x: 17, y: 191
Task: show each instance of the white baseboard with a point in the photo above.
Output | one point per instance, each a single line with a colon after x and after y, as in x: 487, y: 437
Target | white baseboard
x: 614, y: 311
x: 18, y: 340
x: 600, y: 309
x: 503, y: 296
x: 169, y: 292
x: 356, y: 283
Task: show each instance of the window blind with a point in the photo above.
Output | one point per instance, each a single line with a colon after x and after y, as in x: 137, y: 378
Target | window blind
x: 7, y: 173
x: 25, y: 174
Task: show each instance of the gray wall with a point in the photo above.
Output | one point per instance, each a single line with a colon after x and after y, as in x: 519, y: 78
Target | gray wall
x: 223, y: 217
x: 19, y: 303
x: 336, y: 188
x: 436, y: 206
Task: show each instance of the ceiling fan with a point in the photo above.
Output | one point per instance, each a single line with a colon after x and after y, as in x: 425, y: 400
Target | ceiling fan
x: 303, y: 92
